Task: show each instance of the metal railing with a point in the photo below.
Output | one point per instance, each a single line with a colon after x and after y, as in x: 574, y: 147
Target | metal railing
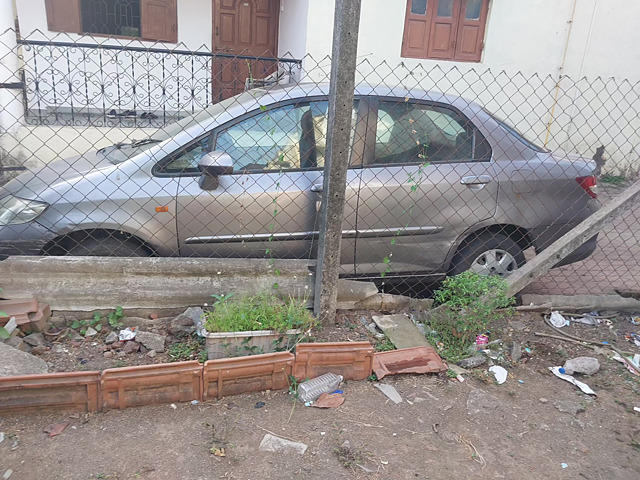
x: 69, y: 83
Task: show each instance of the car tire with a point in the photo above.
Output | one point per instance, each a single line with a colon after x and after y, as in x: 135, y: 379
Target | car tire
x: 488, y: 254
x: 108, y: 247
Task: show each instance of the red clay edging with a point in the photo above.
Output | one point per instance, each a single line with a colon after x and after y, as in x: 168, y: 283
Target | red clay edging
x: 118, y: 388
x: 233, y: 376
x: 151, y: 384
x: 73, y: 391
x: 352, y: 360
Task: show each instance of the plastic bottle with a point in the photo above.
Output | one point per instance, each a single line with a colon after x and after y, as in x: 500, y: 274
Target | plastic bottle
x: 310, y: 390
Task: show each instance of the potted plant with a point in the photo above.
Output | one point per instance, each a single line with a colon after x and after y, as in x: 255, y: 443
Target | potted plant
x: 254, y: 324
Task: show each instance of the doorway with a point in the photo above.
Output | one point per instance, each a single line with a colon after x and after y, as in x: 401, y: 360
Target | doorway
x: 245, y: 32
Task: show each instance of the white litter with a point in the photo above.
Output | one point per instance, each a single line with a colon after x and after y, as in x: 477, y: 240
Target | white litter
x: 126, y: 334
x: 557, y: 320
x: 500, y: 374
x: 569, y: 378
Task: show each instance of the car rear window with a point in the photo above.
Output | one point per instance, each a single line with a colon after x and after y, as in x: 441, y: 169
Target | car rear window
x: 515, y: 133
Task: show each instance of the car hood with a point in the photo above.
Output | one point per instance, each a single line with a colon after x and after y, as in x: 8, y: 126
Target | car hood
x: 33, y: 183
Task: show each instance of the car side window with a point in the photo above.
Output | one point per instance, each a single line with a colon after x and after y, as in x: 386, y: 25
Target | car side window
x: 283, y: 138
x: 185, y: 160
x: 408, y: 132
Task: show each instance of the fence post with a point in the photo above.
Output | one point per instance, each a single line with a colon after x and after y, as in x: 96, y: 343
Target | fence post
x: 343, y: 65
x: 11, y: 97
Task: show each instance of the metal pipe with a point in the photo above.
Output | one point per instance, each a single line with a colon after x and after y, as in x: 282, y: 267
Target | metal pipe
x: 560, y: 72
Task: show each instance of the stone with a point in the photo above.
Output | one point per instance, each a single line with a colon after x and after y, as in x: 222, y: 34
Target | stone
x: 116, y: 345
x: 152, y: 341
x: 480, y: 401
x: 91, y: 332
x: 187, y: 321
x: 390, y: 392
x: 108, y: 354
x: 151, y: 354
x: 515, y: 351
x: 16, y: 362
x: 583, y: 365
x: 16, y: 342
x: 58, y: 321
x: 472, y: 362
x: 153, y: 316
x: 111, y: 338
x: 131, y: 347
x: 77, y: 337
x: 566, y: 406
x: 121, y: 354
x: 35, y: 339
x: 518, y: 325
x: 39, y: 350
x: 271, y: 443
x: 543, y: 400
x: 57, y: 348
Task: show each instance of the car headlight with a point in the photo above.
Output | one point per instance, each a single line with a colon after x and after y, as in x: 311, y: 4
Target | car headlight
x: 14, y: 210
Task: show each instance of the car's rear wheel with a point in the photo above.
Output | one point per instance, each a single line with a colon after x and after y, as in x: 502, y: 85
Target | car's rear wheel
x: 488, y: 254
x: 108, y: 247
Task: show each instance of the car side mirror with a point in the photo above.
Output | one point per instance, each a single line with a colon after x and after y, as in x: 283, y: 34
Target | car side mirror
x: 212, y: 165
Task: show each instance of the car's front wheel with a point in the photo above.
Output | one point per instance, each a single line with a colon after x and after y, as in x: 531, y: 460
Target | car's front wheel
x: 108, y: 247
x: 488, y: 254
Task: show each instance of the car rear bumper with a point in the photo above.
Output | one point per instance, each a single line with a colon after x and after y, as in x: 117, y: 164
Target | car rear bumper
x: 582, y: 252
x: 26, y: 239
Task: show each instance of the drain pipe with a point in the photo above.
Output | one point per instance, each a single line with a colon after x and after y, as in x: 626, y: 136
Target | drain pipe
x: 580, y: 79
x: 560, y: 72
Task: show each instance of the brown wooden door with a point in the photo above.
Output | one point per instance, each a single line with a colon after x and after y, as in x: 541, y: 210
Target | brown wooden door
x: 247, y: 28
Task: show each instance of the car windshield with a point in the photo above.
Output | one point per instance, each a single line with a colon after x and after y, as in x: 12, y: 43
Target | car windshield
x: 515, y: 133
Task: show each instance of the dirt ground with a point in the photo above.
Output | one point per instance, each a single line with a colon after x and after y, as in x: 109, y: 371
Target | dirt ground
x: 540, y: 428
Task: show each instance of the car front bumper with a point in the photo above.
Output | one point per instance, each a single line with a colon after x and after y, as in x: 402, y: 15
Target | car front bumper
x: 25, y: 239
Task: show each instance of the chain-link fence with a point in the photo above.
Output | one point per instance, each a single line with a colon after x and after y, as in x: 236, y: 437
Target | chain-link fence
x: 117, y: 149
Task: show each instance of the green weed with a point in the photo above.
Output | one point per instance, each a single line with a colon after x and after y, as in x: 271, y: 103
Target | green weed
x: 472, y: 303
x: 257, y: 312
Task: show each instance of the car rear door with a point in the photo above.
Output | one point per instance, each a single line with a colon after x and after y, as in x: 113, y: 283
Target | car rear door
x: 427, y: 179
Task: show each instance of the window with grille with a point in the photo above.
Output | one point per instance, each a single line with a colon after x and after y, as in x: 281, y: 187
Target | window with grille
x: 119, y: 17
x: 145, y: 19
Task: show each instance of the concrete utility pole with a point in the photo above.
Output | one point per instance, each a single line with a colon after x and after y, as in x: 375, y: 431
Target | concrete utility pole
x: 343, y: 67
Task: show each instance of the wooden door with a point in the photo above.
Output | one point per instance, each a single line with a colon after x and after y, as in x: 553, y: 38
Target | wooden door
x: 243, y: 30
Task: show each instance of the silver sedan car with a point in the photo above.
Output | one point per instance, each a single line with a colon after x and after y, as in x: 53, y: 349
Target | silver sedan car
x: 436, y: 185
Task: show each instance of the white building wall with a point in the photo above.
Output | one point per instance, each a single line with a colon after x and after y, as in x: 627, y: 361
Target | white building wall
x: 293, y: 24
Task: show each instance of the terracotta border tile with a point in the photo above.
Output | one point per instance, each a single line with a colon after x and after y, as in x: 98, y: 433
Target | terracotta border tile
x: 233, y: 376
x: 352, y: 360
x: 73, y: 391
x: 407, y: 360
x: 151, y: 384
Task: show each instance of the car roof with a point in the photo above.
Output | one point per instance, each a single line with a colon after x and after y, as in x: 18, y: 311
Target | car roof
x: 303, y: 89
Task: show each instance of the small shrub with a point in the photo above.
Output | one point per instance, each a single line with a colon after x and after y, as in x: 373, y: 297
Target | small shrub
x: 257, y: 312
x: 472, y: 303
x: 191, y: 347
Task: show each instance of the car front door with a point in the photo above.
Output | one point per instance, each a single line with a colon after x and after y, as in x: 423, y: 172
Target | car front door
x: 428, y: 179
x: 267, y: 208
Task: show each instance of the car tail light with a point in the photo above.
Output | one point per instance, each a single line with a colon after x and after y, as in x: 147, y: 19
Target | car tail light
x: 589, y: 184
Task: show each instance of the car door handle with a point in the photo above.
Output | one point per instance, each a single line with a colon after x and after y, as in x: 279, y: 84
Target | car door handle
x: 317, y: 188
x: 475, y: 180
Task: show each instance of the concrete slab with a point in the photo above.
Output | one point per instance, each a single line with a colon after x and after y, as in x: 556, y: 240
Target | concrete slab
x: 390, y: 391
x: 401, y: 331
x: 14, y: 362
